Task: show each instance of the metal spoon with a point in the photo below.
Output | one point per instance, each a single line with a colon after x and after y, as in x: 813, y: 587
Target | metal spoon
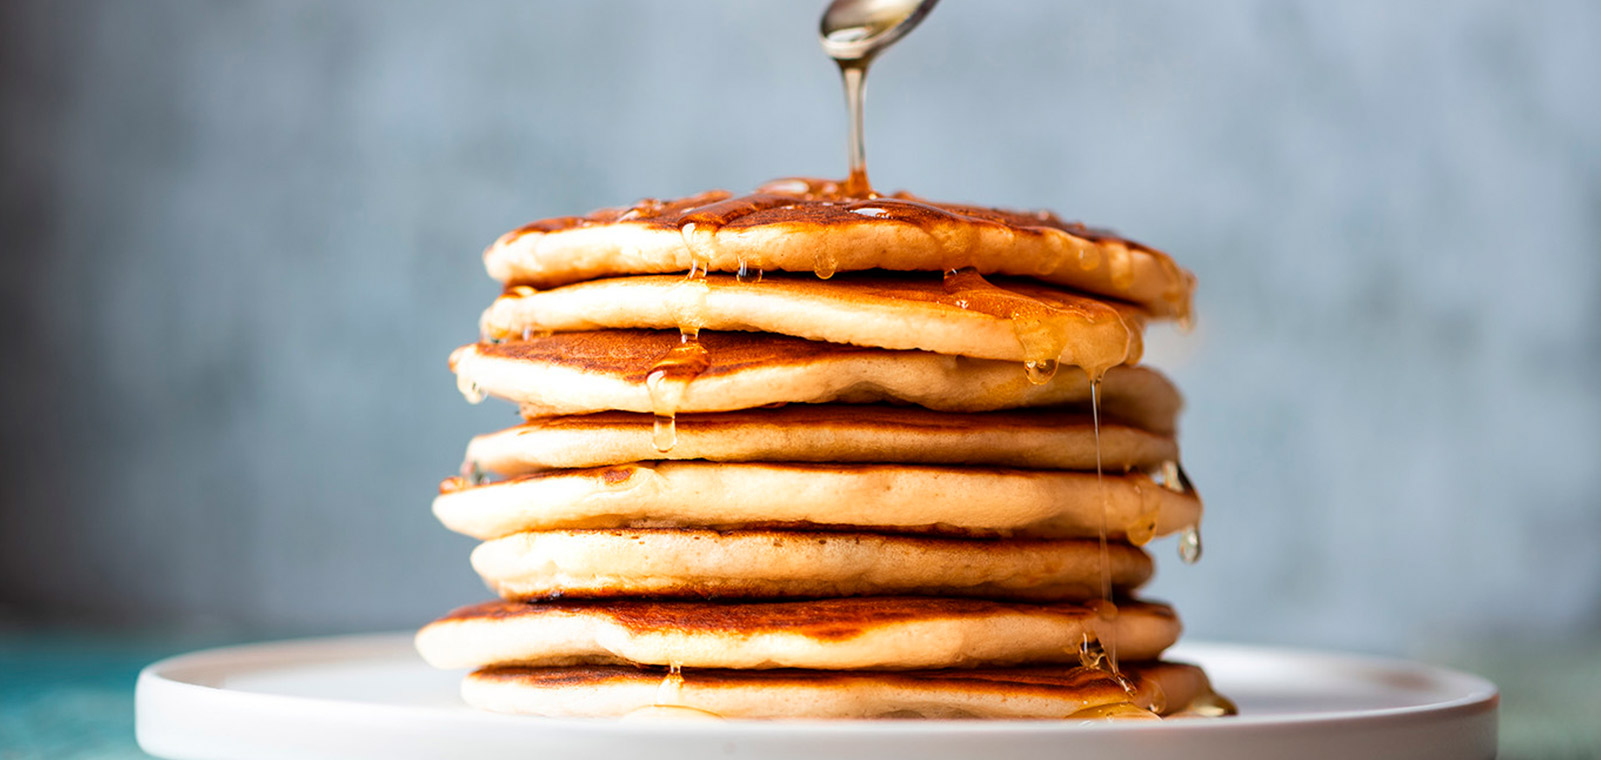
x: 852, y: 33
x: 854, y: 30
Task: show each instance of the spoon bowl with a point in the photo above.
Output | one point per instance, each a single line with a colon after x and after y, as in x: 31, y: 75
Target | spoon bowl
x: 856, y: 30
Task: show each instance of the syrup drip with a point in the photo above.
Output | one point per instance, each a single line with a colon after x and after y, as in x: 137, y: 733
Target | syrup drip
x: 700, y: 225
x: 1105, y: 609
x: 747, y: 273
x: 1120, y: 262
x: 470, y: 390
x: 1114, y: 711
x: 1173, y: 478
x: 825, y: 265
x: 1043, y: 331
x: 698, y: 240
x: 473, y: 473
x: 1211, y: 705
x: 1106, y: 634
x: 1158, y: 701
x: 669, y: 693
x: 667, y: 382
x: 1040, y: 372
x: 1143, y: 529
x: 1090, y: 654
x: 854, y: 75
x: 1190, y: 545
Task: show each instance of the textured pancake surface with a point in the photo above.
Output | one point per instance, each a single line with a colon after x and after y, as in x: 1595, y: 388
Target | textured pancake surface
x: 582, y: 372
x: 969, y: 501
x: 1016, y: 693
x: 961, y: 314
x: 882, y: 633
x: 692, y: 563
x: 802, y: 225
x: 1051, y: 439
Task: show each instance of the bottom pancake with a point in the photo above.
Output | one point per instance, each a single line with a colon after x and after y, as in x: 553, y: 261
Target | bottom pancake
x: 1144, y: 691
x: 859, y: 633
x: 751, y: 564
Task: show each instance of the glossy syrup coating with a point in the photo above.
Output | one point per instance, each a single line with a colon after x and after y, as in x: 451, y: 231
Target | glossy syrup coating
x: 814, y: 225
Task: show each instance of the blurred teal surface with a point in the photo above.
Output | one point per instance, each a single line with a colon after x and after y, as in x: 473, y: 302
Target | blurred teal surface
x: 67, y: 694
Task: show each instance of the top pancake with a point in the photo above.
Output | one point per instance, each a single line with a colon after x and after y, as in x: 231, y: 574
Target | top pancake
x: 957, y: 314
x: 799, y: 225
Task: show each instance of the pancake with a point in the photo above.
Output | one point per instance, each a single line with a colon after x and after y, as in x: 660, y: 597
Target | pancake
x: 753, y: 564
x: 968, y: 501
x: 1052, y: 439
x: 875, y: 633
x: 1071, y: 693
x: 961, y: 314
x: 582, y: 372
x: 803, y: 226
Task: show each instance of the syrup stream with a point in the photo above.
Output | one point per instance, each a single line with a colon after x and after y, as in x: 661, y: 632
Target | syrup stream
x: 854, y: 75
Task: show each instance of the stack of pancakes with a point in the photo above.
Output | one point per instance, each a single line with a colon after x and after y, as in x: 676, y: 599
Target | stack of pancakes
x: 793, y: 454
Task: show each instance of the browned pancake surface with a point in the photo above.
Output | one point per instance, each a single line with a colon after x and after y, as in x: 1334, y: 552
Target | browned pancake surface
x: 630, y: 354
x: 804, y: 224
x: 829, y: 619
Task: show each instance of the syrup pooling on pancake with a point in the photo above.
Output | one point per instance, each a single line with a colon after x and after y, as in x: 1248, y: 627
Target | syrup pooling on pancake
x: 959, y: 313
x: 816, y: 212
x: 1043, y: 331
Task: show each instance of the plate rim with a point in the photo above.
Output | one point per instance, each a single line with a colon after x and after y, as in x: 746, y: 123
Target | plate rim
x: 176, y: 675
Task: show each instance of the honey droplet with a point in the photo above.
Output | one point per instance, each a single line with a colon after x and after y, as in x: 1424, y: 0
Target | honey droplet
x: 825, y: 265
x: 1114, y: 711
x: 1089, y: 257
x: 1043, y: 330
x: 470, y: 390
x: 667, y: 382
x: 1172, y: 477
x: 1122, y: 266
x: 1157, y: 703
x: 1212, y: 705
x: 1190, y: 545
x: 1143, y: 529
x: 664, y: 432
x: 1040, y: 372
x: 698, y: 237
x: 747, y: 273
x: 1090, y: 654
x: 474, y: 473
x: 670, y: 692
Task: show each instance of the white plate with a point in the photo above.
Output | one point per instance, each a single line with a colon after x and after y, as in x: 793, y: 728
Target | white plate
x: 371, y: 697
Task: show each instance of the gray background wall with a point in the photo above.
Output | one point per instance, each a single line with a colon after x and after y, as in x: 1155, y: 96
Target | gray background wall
x: 239, y: 240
